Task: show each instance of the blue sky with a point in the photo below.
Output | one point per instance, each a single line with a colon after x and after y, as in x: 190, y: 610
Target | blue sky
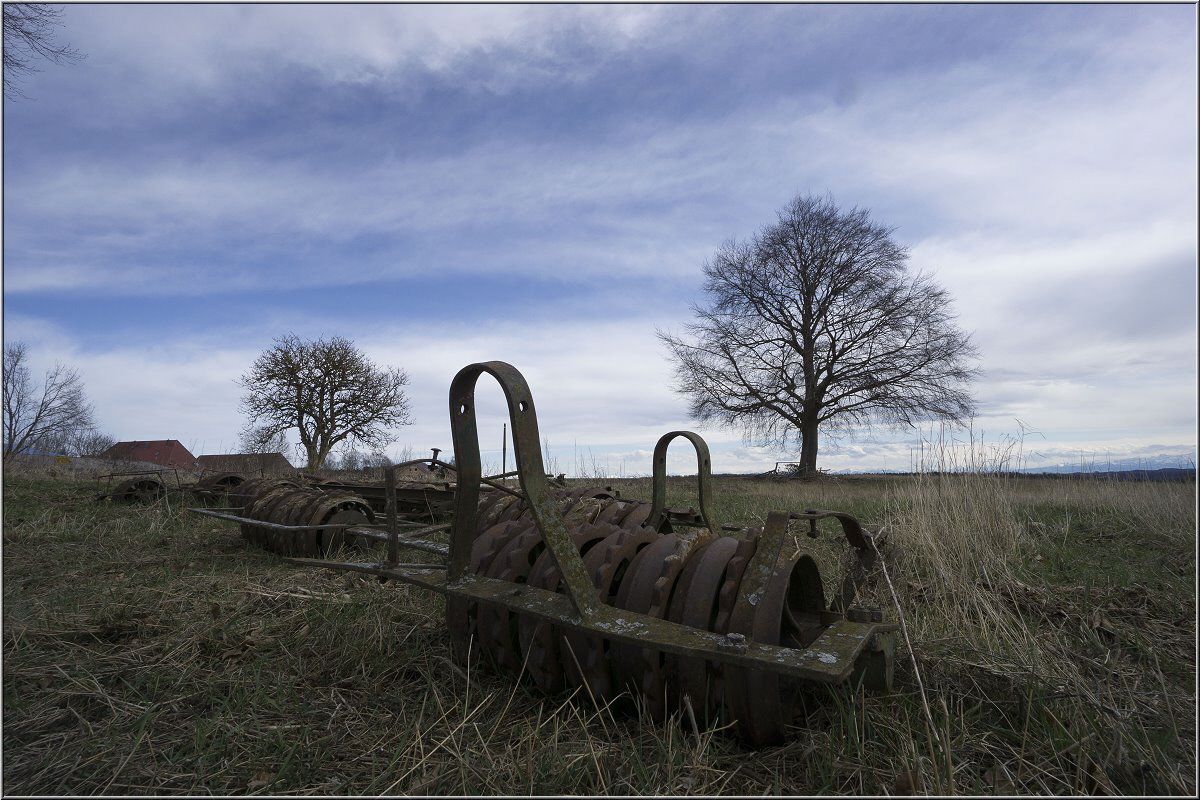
x: 541, y: 184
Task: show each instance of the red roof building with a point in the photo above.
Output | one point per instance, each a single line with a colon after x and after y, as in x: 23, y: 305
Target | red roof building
x: 164, y: 452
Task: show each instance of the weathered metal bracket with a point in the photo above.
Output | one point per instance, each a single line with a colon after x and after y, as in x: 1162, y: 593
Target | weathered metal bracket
x: 531, y: 472
x: 865, y: 543
x: 658, y: 506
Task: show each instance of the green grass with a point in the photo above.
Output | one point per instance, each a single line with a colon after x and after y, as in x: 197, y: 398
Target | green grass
x: 149, y: 651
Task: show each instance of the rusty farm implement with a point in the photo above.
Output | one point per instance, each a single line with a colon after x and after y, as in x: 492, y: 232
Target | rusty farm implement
x: 622, y: 600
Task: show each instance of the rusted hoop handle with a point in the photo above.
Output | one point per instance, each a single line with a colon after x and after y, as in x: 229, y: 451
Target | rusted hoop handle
x: 703, y: 478
x: 530, y: 472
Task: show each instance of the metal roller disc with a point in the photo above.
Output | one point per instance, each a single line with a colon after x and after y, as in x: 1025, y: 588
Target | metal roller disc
x: 629, y: 508
x: 612, y: 512
x: 732, y: 584
x: 300, y: 512
x: 539, y: 639
x: 330, y: 541
x: 351, y: 513
x: 587, y: 659
x: 366, y: 516
x: 516, y: 510
x: 640, y: 669
x: 694, y: 603
x: 280, y: 511
x: 496, y: 625
x: 257, y: 507
x: 460, y: 613
x: 583, y: 511
x: 787, y: 613
x: 638, y: 515
x: 489, y: 515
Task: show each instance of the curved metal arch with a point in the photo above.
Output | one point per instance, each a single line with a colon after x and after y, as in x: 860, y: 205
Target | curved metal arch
x: 530, y: 472
x: 703, y: 479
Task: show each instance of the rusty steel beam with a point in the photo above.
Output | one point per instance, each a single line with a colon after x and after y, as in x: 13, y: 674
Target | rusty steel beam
x: 829, y: 659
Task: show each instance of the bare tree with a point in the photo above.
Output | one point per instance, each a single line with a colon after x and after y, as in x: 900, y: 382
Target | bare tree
x: 377, y: 459
x: 45, y: 417
x: 262, y: 440
x: 88, y: 442
x: 815, y: 325
x: 328, y: 391
x: 28, y: 35
x: 348, y: 460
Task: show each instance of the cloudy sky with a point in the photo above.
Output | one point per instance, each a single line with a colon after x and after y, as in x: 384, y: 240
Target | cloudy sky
x: 541, y: 185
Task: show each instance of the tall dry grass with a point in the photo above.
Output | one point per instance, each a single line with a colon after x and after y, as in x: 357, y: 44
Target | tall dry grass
x: 1052, y: 624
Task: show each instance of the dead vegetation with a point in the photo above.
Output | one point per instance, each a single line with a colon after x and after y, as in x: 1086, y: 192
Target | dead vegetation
x: 147, y: 651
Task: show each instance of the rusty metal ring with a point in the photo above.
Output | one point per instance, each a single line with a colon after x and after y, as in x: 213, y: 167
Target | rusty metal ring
x: 640, y: 669
x: 638, y: 516
x: 606, y: 564
x: 694, y: 603
x: 350, y: 511
x: 460, y: 612
x: 539, y: 639
x: 762, y: 703
x: 300, y: 512
x: 496, y: 625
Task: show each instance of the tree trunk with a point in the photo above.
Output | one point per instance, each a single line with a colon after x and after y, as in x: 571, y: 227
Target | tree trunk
x: 314, y: 460
x: 808, y: 447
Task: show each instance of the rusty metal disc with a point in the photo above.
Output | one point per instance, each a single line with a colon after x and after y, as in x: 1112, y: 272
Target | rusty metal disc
x: 298, y: 510
x: 638, y: 515
x: 496, y: 625
x: 612, y: 512
x: 491, y: 508
x: 460, y: 613
x: 787, y: 613
x: 350, y: 512
x: 586, y: 657
x: 286, y: 512
x: 349, y: 508
x: 257, y: 507
x: 539, y: 639
x: 640, y: 669
x: 694, y: 603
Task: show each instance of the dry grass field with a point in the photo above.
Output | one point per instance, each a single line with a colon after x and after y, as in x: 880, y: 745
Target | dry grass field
x: 152, y: 651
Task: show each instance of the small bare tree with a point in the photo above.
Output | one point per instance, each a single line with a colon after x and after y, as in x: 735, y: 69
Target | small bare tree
x: 88, y: 442
x: 45, y: 417
x: 262, y: 440
x: 29, y: 34
x: 814, y: 325
x: 328, y: 391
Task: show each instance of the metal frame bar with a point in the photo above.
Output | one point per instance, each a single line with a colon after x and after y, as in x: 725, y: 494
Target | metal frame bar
x: 829, y: 659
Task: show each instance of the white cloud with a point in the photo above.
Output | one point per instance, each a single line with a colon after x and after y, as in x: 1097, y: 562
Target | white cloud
x: 1054, y: 201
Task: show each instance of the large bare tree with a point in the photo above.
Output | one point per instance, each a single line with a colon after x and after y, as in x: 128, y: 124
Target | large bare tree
x: 41, y: 417
x: 328, y: 391
x: 29, y: 35
x: 815, y: 325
